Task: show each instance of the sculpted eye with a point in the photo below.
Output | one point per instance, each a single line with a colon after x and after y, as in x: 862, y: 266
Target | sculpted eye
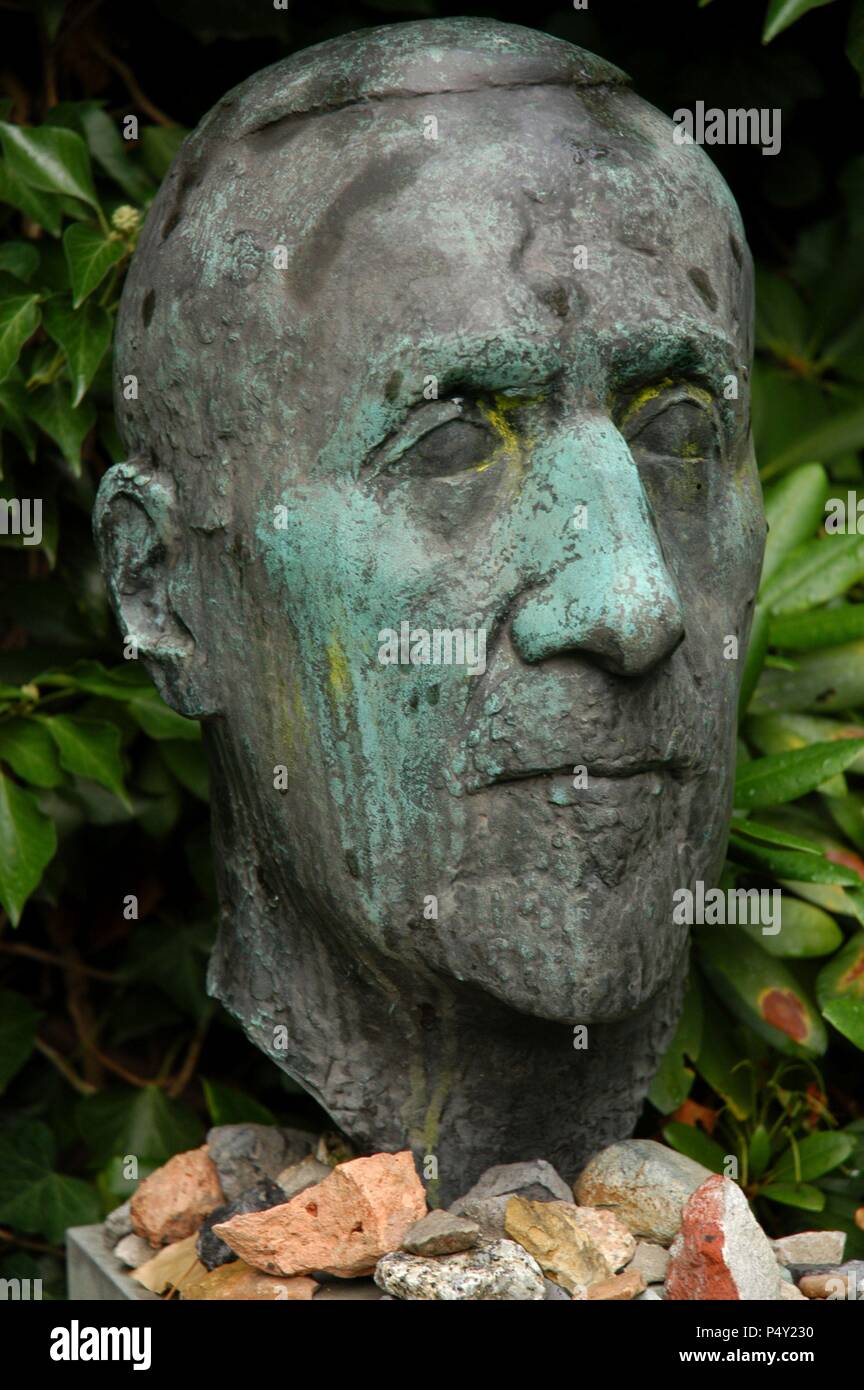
x: 679, y: 424
x: 445, y: 449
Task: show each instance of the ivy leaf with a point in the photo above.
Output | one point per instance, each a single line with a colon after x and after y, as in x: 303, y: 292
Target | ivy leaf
x: 51, y: 160
x: 142, y: 1122
x: 89, y: 255
x: 174, y: 959
x: 68, y: 425
x: 159, y: 721
x: 33, y: 1197
x: 782, y: 777
x: 19, y: 319
x: 89, y: 748
x: 13, y: 413
x: 229, y: 1106
x: 41, y: 208
x: 84, y: 334
x: 159, y: 145
x: 112, y: 152
x: 28, y: 842
x: 19, y: 258
x: 30, y: 752
x: 18, y: 1023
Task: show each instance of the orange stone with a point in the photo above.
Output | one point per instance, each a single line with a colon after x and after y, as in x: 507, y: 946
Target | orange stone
x: 173, y: 1201
x: 619, y: 1289
x: 342, y: 1226
x: 240, y: 1283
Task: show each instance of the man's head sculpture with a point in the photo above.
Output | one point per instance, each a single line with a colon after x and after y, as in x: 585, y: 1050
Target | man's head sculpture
x: 437, y: 330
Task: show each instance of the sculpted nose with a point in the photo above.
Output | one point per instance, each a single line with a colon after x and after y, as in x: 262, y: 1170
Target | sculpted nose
x: 604, y: 587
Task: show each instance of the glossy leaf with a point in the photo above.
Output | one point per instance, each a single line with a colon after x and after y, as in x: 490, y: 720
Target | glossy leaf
x: 761, y: 991
x: 692, y: 1141
x: 89, y: 748
x: 794, y: 508
x: 805, y: 931
x: 840, y: 990
x: 28, y: 843
x: 52, y: 409
x: 84, y: 334
x: 28, y: 748
x: 19, y: 319
x: 780, y: 777
x: 50, y: 159
x: 812, y: 1157
x: 89, y: 255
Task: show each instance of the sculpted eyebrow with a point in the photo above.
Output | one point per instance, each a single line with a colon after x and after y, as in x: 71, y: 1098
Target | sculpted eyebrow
x: 501, y: 362
x: 660, y: 352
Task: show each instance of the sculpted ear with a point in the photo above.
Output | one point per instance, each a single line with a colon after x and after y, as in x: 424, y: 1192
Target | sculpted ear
x: 139, y: 540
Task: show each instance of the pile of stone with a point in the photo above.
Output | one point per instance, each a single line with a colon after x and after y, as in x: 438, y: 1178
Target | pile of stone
x: 266, y: 1213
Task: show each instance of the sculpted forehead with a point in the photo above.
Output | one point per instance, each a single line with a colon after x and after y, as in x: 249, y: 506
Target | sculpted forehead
x: 476, y: 232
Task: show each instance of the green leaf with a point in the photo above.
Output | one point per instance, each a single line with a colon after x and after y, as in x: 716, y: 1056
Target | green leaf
x: 19, y: 258
x: 84, y: 334
x: 174, y: 958
x: 773, y: 835
x: 33, y: 1197
x: 13, y: 413
x: 188, y: 763
x: 782, y: 13
x: 816, y: 1155
x: 695, y: 1144
x: 159, y: 721
x: 781, y: 777
x: 761, y: 991
x: 159, y: 145
x: 30, y: 752
x: 805, y: 931
x: 671, y: 1085
x: 18, y: 1024
x: 142, y: 1122
x: 826, y: 627
x: 824, y: 681
x: 41, y: 208
x: 840, y: 990
x: 89, y: 748
x: 228, y: 1106
x: 28, y: 843
x: 802, y: 1195
x: 51, y: 160
x: 789, y: 864
x: 760, y: 1151
x: 68, y: 425
x: 754, y: 661
x: 843, y: 432
x: 114, y: 154
x: 814, y: 573
x: 19, y: 319
x: 89, y: 255
x: 718, y: 1062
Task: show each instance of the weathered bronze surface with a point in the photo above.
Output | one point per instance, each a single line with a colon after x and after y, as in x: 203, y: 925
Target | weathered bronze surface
x: 475, y: 209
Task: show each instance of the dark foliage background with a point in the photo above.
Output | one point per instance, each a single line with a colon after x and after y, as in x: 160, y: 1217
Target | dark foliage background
x: 109, y: 1047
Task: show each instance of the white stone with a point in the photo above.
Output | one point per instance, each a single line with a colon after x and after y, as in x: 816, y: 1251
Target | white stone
x: 651, y: 1260
x: 811, y: 1248
x: 132, y: 1251
x: 501, y: 1270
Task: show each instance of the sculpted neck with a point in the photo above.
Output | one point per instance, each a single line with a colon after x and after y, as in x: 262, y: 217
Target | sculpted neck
x: 405, y: 1060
